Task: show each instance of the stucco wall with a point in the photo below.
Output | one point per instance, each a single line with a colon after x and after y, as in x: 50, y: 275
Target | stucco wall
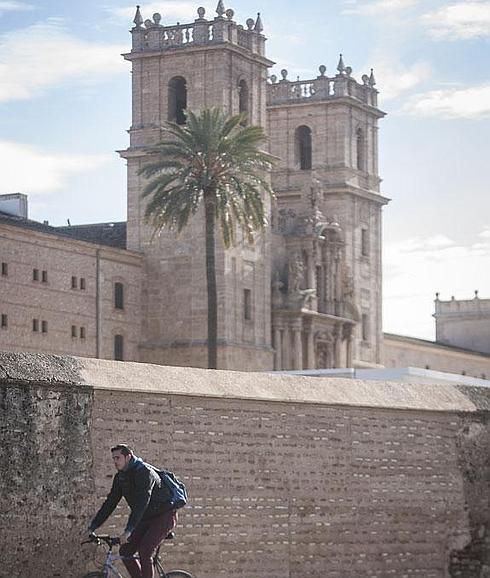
x: 288, y: 476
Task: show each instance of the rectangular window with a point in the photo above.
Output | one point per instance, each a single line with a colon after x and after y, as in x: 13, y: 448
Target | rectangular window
x: 74, y: 284
x: 82, y: 283
x: 44, y: 276
x: 118, y: 295
x: 364, y: 243
x: 82, y: 332
x: 35, y: 325
x: 4, y: 323
x: 73, y: 330
x: 365, y: 327
x: 118, y: 347
x: 247, y: 304
x: 5, y: 269
x: 35, y: 274
x: 44, y: 326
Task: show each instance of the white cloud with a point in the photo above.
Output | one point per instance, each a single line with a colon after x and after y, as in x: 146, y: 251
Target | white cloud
x: 171, y: 11
x: 470, y: 103
x: 393, y: 78
x: 415, y: 269
x: 378, y: 7
x: 45, y: 55
x: 14, y: 6
x: 27, y: 169
x: 462, y: 20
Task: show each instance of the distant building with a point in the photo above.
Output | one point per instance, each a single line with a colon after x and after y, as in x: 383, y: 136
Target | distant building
x: 307, y: 295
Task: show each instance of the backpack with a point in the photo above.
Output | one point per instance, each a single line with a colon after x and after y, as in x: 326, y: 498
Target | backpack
x: 173, y: 488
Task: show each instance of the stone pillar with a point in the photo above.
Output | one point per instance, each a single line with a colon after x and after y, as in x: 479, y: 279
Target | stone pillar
x: 336, y: 347
x: 297, y: 349
x: 311, y: 349
x: 278, y: 347
x: 285, y: 348
x: 347, y: 332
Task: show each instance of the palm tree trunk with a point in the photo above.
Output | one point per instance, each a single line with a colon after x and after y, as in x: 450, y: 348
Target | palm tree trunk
x: 209, y: 211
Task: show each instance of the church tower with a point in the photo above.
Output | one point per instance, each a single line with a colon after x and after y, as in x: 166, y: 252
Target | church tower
x: 207, y: 63
x: 327, y: 283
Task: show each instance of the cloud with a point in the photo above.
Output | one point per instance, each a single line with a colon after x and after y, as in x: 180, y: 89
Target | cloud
x: 378, y: 7
x: 172, y: 11
x: 393, y: 78
x: 45, y: 55
x: 462, y: 20
x: 415, y: 269
x: 14, y: 6
x: 27, y: 169
x: 470, y: 103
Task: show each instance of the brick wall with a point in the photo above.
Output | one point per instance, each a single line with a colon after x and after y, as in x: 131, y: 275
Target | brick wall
x: 288, y: 476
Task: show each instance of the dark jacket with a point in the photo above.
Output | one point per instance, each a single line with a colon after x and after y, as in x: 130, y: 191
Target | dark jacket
x: 140, y: 485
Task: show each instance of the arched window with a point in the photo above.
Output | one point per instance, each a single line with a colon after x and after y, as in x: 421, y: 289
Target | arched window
x: 303, y: 147
x: 360, y: 146
x: 243, y: 96
x: 118, y: 347
x: 177, y: 100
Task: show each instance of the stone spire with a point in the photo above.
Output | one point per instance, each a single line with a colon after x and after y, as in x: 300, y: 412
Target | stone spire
x: 372, y: 81
x: 138, y: 20
x: 258, y: 24
x: 341, y: 65
x: 220, y: 9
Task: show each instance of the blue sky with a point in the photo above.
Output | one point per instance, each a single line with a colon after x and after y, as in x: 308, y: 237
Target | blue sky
x: 65, y: 106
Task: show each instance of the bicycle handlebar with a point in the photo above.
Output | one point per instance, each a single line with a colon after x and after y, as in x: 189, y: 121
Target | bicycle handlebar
x: 98, y: 539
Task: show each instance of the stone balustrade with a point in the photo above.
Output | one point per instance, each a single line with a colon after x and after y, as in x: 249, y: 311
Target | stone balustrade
x: 151, y: 35
x: 323, y: 87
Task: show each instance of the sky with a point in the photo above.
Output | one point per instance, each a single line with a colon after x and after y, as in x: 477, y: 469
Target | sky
x: 65, y: 106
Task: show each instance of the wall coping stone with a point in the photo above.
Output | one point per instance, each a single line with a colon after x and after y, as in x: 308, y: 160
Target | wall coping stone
x: 42, y: 369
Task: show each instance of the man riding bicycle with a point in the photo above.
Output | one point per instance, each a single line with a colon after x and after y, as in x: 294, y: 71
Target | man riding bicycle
x: 152, y: 516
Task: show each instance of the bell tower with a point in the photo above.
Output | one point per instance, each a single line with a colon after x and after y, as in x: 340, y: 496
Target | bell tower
x: 206, y: 63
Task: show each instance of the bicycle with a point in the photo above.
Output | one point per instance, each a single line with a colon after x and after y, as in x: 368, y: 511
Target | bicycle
x: 109, y: 570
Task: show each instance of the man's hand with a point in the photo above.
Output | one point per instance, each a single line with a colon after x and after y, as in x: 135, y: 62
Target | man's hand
x: 124, y: 537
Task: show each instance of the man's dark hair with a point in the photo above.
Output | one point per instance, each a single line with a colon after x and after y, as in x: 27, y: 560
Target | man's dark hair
x: 124, y: 449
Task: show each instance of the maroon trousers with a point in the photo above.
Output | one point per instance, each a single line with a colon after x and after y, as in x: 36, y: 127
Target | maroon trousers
x: 145, y: 538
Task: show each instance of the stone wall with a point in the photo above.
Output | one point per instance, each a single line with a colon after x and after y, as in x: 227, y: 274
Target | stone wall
x: 288, y: 476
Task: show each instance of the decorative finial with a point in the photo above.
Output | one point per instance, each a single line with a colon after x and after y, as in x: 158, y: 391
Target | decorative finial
x: 372, y: 80
x: 230, y: 13
x: 156, y: 18
x: 365, y: 79
x: 138, y: 20
x: 258, y: 24
x: 273, y: 78
x: 220, y: 9
x: 148, y: 23
x: 284, y: 74
x: 250, y: 23
x: 322, y: 68
x: 452, y: 297
x: 437, y: 296
x: 341, y: 65
x: 201, y: 12
x: 476, y: 294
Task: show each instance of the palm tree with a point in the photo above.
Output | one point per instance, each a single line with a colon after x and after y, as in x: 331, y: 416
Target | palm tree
x: 214, y: 160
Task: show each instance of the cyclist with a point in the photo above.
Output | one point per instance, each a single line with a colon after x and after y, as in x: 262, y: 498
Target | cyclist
x: 151, y: 517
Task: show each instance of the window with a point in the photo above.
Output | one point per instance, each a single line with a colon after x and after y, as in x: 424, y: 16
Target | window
x: 44, y: 326
x: 73, y: 330
x: 364, y: 243
x: 44, y: 277
x: 5, y: 269
x: 82, y: 332
x: 118, y: 295
x: 4, y: 323
x: 35, y: 274
x: 74, y: 283
x: 177, y: 100
x: 365, y: 327
x: 303, y: 147
x: 82, y: 283
x: 247, y: 304
x: 360, y: 163
x: 118, y: 347
x: 35, y: 325
x: 243, y: 96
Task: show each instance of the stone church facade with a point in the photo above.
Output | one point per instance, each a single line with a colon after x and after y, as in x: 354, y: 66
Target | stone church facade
x: 306, y: 295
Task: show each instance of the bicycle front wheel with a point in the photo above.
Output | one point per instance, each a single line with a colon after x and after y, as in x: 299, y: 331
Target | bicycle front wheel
x: 178, y: 574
